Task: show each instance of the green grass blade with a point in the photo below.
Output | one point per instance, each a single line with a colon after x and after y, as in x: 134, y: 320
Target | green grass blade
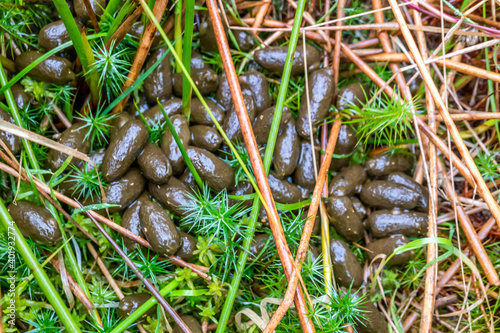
x: 181, y: 147
x: 178, y: 33
x: 60, y: 170
x: 92, y: 79
x: 186, y: 57
x: 73, y: 31
x: 122, y: 326
x: 81, y: 44
x: 112, y: 7
x: 126, y: 9
x: 43, y: 280
x: 17, y: 119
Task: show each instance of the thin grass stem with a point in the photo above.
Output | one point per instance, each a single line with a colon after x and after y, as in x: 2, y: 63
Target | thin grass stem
x: 112, y: 7
x: 181, y: 147
x: 202, y: 100
x: 73, y: 32
x: 178, y: 32
x: 125, y: 10
x: 186, y: 57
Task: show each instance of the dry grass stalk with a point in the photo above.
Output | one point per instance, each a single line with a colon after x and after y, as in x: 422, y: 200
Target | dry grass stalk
x: 124, y: 28
x: 105, y: 271
x: 109, y: 278
x: 41, y: 140
x: 470, y: 232
x: 93, y: 17
x: 466, y: 116
x: 450, y: 64
x: 75, y: 288
x: 61, y: 116
x: 469, y: 161
x: 338, y: 39
x: 264, y: 8
x: 428, y: 302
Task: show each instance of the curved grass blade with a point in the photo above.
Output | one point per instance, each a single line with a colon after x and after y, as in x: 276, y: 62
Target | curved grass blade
x: 73, y: 32
x: 181, y: 147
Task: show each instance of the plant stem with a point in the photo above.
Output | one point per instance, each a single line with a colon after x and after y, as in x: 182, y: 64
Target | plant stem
x: 271, y: 142
x: 43, y: 280
x: 81, y: 44
x: 122, y: 326
x: 73, y: 31
x: 181, y: 147
x: 178, y: 33
x: 186, y: 57
x: 491, y: 91
x: 112, y: 7
x: 125, y: 10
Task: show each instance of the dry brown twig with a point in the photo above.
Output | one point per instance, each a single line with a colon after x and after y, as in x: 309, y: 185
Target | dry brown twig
x: 470, y: 232
x: 124, y: 28
x: 432, y: 250
x: 93, y: 17
x: 264, y: 8
x: 450, y: 64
